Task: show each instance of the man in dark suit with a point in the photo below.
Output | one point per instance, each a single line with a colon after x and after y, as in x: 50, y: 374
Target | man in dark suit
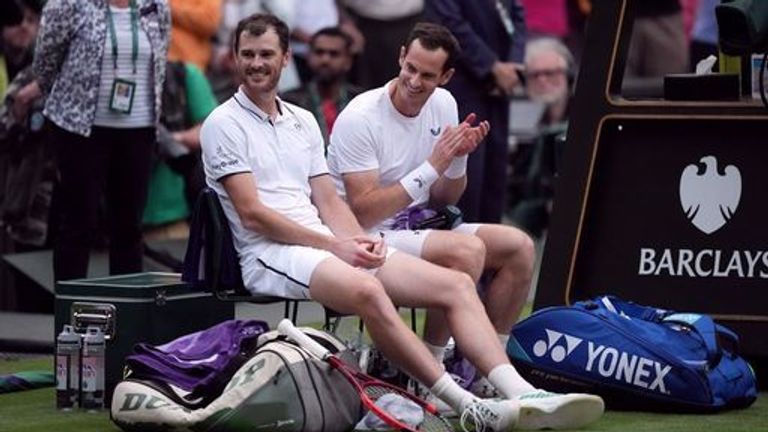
x: 492, y: 37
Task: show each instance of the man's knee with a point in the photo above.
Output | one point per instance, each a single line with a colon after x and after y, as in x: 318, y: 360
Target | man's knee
x: 527, y: 249
x: 465, y: 253
x: 519, y: 250
x: 461, y: 289
x: 369, y: 296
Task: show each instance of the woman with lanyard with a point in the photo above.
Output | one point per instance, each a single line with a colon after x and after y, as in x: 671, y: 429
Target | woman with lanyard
x: 101, y: 64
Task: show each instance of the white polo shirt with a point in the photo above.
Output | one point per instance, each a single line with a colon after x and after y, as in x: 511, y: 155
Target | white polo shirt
x: 370, y: 133
x: 238, y: 137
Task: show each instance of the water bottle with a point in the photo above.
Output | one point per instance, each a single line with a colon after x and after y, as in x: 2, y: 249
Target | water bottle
x: 93, y: 369
x: 67, y: 368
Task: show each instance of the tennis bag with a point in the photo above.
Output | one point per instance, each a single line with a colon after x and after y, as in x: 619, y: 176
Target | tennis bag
x: 635, y: 357
x: 280, y: 388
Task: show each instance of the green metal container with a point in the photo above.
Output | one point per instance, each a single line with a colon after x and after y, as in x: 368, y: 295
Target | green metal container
x: 144, y: 307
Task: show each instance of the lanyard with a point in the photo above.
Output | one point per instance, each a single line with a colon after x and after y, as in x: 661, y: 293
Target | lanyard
x: 506, y: 18
x: 134, y: 34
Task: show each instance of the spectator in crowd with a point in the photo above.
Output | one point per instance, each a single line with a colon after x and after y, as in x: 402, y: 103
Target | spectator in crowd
x: 546, y: 18
x: 492, y: 37
x: 384, y: 25
x: 548, y: 65
x: 329, y: 60
x: 548, y: 71
x: 104, y: 134
x: 27, y: 170
x: 310, y: 17
x: 658, y: 44
x: 177, y: 174
x: 194, y: 23
x: 296, y: 238
x: 18, y: 41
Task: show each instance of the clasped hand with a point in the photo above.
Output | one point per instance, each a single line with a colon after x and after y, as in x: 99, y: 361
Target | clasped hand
x: 361, y: 251
x: 458, y: 141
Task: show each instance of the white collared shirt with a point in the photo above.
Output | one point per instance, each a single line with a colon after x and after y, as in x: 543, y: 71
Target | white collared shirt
x: 282, y: 155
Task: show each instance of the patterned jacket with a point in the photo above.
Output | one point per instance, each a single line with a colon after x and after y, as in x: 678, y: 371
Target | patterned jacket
x: 69, y: 51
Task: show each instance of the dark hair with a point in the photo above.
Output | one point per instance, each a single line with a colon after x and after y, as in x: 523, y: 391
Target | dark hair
x: 432, y: 37
x: 332, y: 32
x: 258, y: 24
x: 35, y: 6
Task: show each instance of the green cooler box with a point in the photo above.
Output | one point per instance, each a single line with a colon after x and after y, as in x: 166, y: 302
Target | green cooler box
x: 144, y: 307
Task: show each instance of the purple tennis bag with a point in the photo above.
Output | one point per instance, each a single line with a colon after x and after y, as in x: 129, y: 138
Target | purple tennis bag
x: 235, y: 377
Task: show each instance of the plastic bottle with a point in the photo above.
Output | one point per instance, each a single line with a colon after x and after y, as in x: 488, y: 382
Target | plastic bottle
x: 93, y: 369
x: 67, y: 368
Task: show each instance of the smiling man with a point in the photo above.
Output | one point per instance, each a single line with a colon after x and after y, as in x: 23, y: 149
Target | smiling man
x: 296, y: 238
x: 397, y: 150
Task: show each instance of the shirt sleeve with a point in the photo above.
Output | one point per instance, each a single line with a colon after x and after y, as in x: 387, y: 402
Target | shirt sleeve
x: 450, y: 111
x: 318, y: 164
x: 352, y: 144
x: 53, y: 39
x: 224, y: 147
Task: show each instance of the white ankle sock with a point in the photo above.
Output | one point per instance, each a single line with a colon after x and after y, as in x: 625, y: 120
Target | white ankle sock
x: 503, y: 339
x: 451, y: 393
x: 438, y: 352
x: 508, y: 382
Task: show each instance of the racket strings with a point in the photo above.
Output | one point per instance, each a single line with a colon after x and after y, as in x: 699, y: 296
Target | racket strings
x: 431, y: 422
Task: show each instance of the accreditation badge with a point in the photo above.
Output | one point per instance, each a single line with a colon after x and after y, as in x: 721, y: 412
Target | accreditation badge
x: 122, y: 96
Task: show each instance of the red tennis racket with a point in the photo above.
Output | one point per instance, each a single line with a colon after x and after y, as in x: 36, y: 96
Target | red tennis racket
x: 368, y: 388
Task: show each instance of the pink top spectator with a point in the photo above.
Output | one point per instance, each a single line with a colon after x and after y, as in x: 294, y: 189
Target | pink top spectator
x: 546, y: 17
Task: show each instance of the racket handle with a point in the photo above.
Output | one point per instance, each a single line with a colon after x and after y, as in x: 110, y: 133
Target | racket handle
x: 286, y: 328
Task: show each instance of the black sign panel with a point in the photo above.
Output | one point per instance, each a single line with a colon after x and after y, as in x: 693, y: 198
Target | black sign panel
x: 674, y: 216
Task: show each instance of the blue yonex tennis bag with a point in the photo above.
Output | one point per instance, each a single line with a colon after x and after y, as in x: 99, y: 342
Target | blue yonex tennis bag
x: 636, y: 357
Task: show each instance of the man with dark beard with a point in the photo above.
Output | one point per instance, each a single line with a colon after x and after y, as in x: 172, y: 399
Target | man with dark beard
x: 330, y: 58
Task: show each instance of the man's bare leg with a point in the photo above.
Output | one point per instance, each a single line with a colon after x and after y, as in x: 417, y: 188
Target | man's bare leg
x: 511, y: 256
x: 457, y: 251
x: 413, y: 282
x: 345, y: 289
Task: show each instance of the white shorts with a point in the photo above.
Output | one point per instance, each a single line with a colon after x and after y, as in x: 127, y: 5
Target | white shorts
x: 286, y: 270
x: 412, y: 241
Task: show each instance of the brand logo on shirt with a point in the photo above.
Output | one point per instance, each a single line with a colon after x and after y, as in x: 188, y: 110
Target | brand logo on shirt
x: 435, y: 132
x: 419, y: 182
x: 297, y: 126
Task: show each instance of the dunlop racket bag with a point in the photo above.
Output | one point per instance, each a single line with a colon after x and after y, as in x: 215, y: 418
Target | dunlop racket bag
x: 280, y: 388
x: 635, y: 357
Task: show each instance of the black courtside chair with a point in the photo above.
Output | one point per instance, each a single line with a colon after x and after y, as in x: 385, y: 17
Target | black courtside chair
x: 219, y: 262
x: 212, y: 263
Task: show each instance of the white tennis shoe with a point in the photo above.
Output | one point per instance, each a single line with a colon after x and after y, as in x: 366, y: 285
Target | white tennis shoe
x: 541, y: 409
x: 498, y: 415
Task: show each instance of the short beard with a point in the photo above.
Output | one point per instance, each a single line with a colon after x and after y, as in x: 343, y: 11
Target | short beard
x: 327, y: 79
x: 549, y: 98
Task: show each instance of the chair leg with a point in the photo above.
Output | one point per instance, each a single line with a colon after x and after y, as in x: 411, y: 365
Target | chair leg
x: 413, y: 320
x: 295, y: 312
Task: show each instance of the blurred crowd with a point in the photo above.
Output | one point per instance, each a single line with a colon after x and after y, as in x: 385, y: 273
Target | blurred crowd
x: 99, y: 128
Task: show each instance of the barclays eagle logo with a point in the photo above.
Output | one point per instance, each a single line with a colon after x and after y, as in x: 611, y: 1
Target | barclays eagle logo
x: 709, y: 199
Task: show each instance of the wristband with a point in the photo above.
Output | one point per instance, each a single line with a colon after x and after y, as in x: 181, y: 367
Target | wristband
x: 457, y: 168
x: 417, y: 182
